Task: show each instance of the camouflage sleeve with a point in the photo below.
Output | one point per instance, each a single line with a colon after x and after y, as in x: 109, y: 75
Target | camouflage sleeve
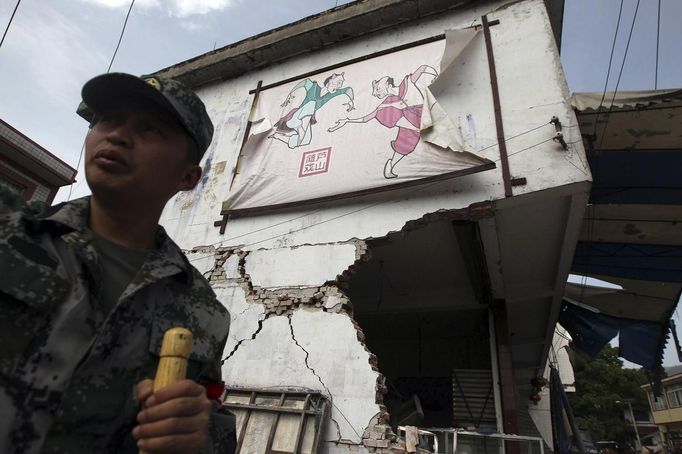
x: 222, y: 431
x: 12, y: 202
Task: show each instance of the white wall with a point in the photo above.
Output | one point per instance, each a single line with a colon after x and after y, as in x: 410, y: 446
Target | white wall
x: 305, y: 266
x: 532, y: 90
x: 301, y: 249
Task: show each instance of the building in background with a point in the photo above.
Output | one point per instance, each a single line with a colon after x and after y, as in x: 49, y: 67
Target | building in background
x: 667, y: 408
x: 30, y: 169
x: 390, y: 214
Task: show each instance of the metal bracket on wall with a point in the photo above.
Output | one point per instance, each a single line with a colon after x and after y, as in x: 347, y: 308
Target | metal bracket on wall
x: 504, y: 159
x: 222, y: 223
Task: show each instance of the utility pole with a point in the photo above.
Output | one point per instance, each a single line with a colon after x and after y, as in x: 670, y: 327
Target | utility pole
x: 634, y: 424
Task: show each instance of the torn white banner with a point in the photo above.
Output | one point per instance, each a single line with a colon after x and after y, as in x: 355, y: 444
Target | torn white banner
x: 367, y: 126
x: 437, y: 127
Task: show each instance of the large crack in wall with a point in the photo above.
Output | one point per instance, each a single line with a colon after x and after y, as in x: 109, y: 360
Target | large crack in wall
x: 239, y: 343
x: 330, y: 396
x: 268, y: 305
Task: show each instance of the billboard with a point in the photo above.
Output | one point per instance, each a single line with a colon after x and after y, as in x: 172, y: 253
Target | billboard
x: 367, y: 126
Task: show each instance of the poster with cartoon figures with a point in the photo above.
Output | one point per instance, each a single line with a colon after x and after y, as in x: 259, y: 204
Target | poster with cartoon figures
x: 347, y: 131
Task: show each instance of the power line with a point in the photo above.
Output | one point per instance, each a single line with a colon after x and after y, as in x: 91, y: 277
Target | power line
x: 658, y: 41
x: 9, y: 23
x: 80, y: 158
x: 111, y: 62
x: 608, y: 71
x: 120, y: 38
x: 421, y: 188
x: 528, y: 148
x: 625, y: 56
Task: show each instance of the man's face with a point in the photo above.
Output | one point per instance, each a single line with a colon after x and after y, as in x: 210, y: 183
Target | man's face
x: 137, y: 152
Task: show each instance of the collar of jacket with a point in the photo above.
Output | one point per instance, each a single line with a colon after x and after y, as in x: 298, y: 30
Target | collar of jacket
x: 72, y: 217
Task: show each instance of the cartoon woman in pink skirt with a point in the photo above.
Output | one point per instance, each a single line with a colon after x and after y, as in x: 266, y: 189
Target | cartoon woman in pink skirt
x: 401, y: 108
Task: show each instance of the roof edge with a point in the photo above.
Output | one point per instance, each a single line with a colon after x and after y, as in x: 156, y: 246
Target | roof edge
x: 340, y: 24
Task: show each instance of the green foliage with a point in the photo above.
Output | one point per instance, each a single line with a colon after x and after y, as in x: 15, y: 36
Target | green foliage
x: 600, y: 382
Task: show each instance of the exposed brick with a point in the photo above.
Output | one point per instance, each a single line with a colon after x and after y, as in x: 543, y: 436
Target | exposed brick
x: 307, y: 292
x: 369, y: 442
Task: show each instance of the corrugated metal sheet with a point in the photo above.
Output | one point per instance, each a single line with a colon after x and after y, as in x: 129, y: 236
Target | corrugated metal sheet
x: 643, y: 300
x: 473, y: 400
x: 585, y: 102
x: 631, y: 232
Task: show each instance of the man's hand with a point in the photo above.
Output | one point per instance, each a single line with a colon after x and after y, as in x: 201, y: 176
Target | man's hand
x: 173, y: 419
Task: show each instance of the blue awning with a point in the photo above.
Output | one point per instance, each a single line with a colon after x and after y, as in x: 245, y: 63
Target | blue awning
x: 634, y: 261
x: 633, y: 142
x: 640, y: 341
x: 636, y: 177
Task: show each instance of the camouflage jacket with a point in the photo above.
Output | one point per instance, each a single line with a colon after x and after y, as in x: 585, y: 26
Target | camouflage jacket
x: 67, y: 368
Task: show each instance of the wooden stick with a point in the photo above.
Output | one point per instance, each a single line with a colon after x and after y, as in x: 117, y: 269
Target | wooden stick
x: 173, y: 357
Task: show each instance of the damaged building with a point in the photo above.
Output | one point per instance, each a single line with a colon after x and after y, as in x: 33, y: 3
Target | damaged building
x: 389, y: 210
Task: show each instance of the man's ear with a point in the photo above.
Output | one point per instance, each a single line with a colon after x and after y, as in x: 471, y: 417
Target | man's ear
x: 190, y: 178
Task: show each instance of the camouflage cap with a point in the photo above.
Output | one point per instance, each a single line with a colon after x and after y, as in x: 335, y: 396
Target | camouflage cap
x: 181, y: 102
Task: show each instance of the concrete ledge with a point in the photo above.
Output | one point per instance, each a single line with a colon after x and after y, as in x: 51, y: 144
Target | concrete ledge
x: 317, y: 32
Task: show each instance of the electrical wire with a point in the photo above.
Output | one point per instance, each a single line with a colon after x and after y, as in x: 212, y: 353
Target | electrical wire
x: 591, y: 207
x: 620, y: 74
x: 120, y: 38
x: 421, y: 188
x: 658, y: 42
x: 9, y: 23
x: 527, y: 148
x: 111, y: 62
x: 608, y: 71
x: 80, y: 158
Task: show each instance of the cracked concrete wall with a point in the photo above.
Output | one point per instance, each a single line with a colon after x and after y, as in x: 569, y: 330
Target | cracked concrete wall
x: 278, y: 273
x: 301, y: 337
x: 342, y: 365
x: 313, y: 350
x: 305, y: 266
x: 532, y: 90
x: 244, y: 316
x: 203, y: 261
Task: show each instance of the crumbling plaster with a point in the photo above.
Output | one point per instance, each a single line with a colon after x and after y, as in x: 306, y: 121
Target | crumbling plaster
x: 532, y: 90
x: 309, y: 335
x: 315, y: 350
x: 308, y: 332
x: 245, y: 317
x: 305, y: 266
x: 202, y: 260
x: 281, y: 275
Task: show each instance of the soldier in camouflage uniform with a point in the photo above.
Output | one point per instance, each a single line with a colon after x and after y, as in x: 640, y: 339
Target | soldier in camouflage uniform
x: 88, y: 287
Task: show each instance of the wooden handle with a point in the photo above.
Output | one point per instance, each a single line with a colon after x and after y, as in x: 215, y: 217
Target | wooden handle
x: 175, y: 348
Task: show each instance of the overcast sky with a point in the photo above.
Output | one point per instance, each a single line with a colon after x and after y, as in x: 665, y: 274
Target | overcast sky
x: 54, y: 46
